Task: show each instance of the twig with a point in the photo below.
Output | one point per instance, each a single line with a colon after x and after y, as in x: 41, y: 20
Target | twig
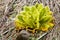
x: 7, y: 31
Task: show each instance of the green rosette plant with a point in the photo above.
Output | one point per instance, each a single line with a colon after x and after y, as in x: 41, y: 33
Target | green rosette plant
x: 35, y: 17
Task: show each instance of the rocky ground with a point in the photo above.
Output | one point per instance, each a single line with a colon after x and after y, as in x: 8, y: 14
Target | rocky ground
x: 9, y: 9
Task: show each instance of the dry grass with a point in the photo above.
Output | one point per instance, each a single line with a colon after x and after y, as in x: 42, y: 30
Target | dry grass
x: 9, y: 8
